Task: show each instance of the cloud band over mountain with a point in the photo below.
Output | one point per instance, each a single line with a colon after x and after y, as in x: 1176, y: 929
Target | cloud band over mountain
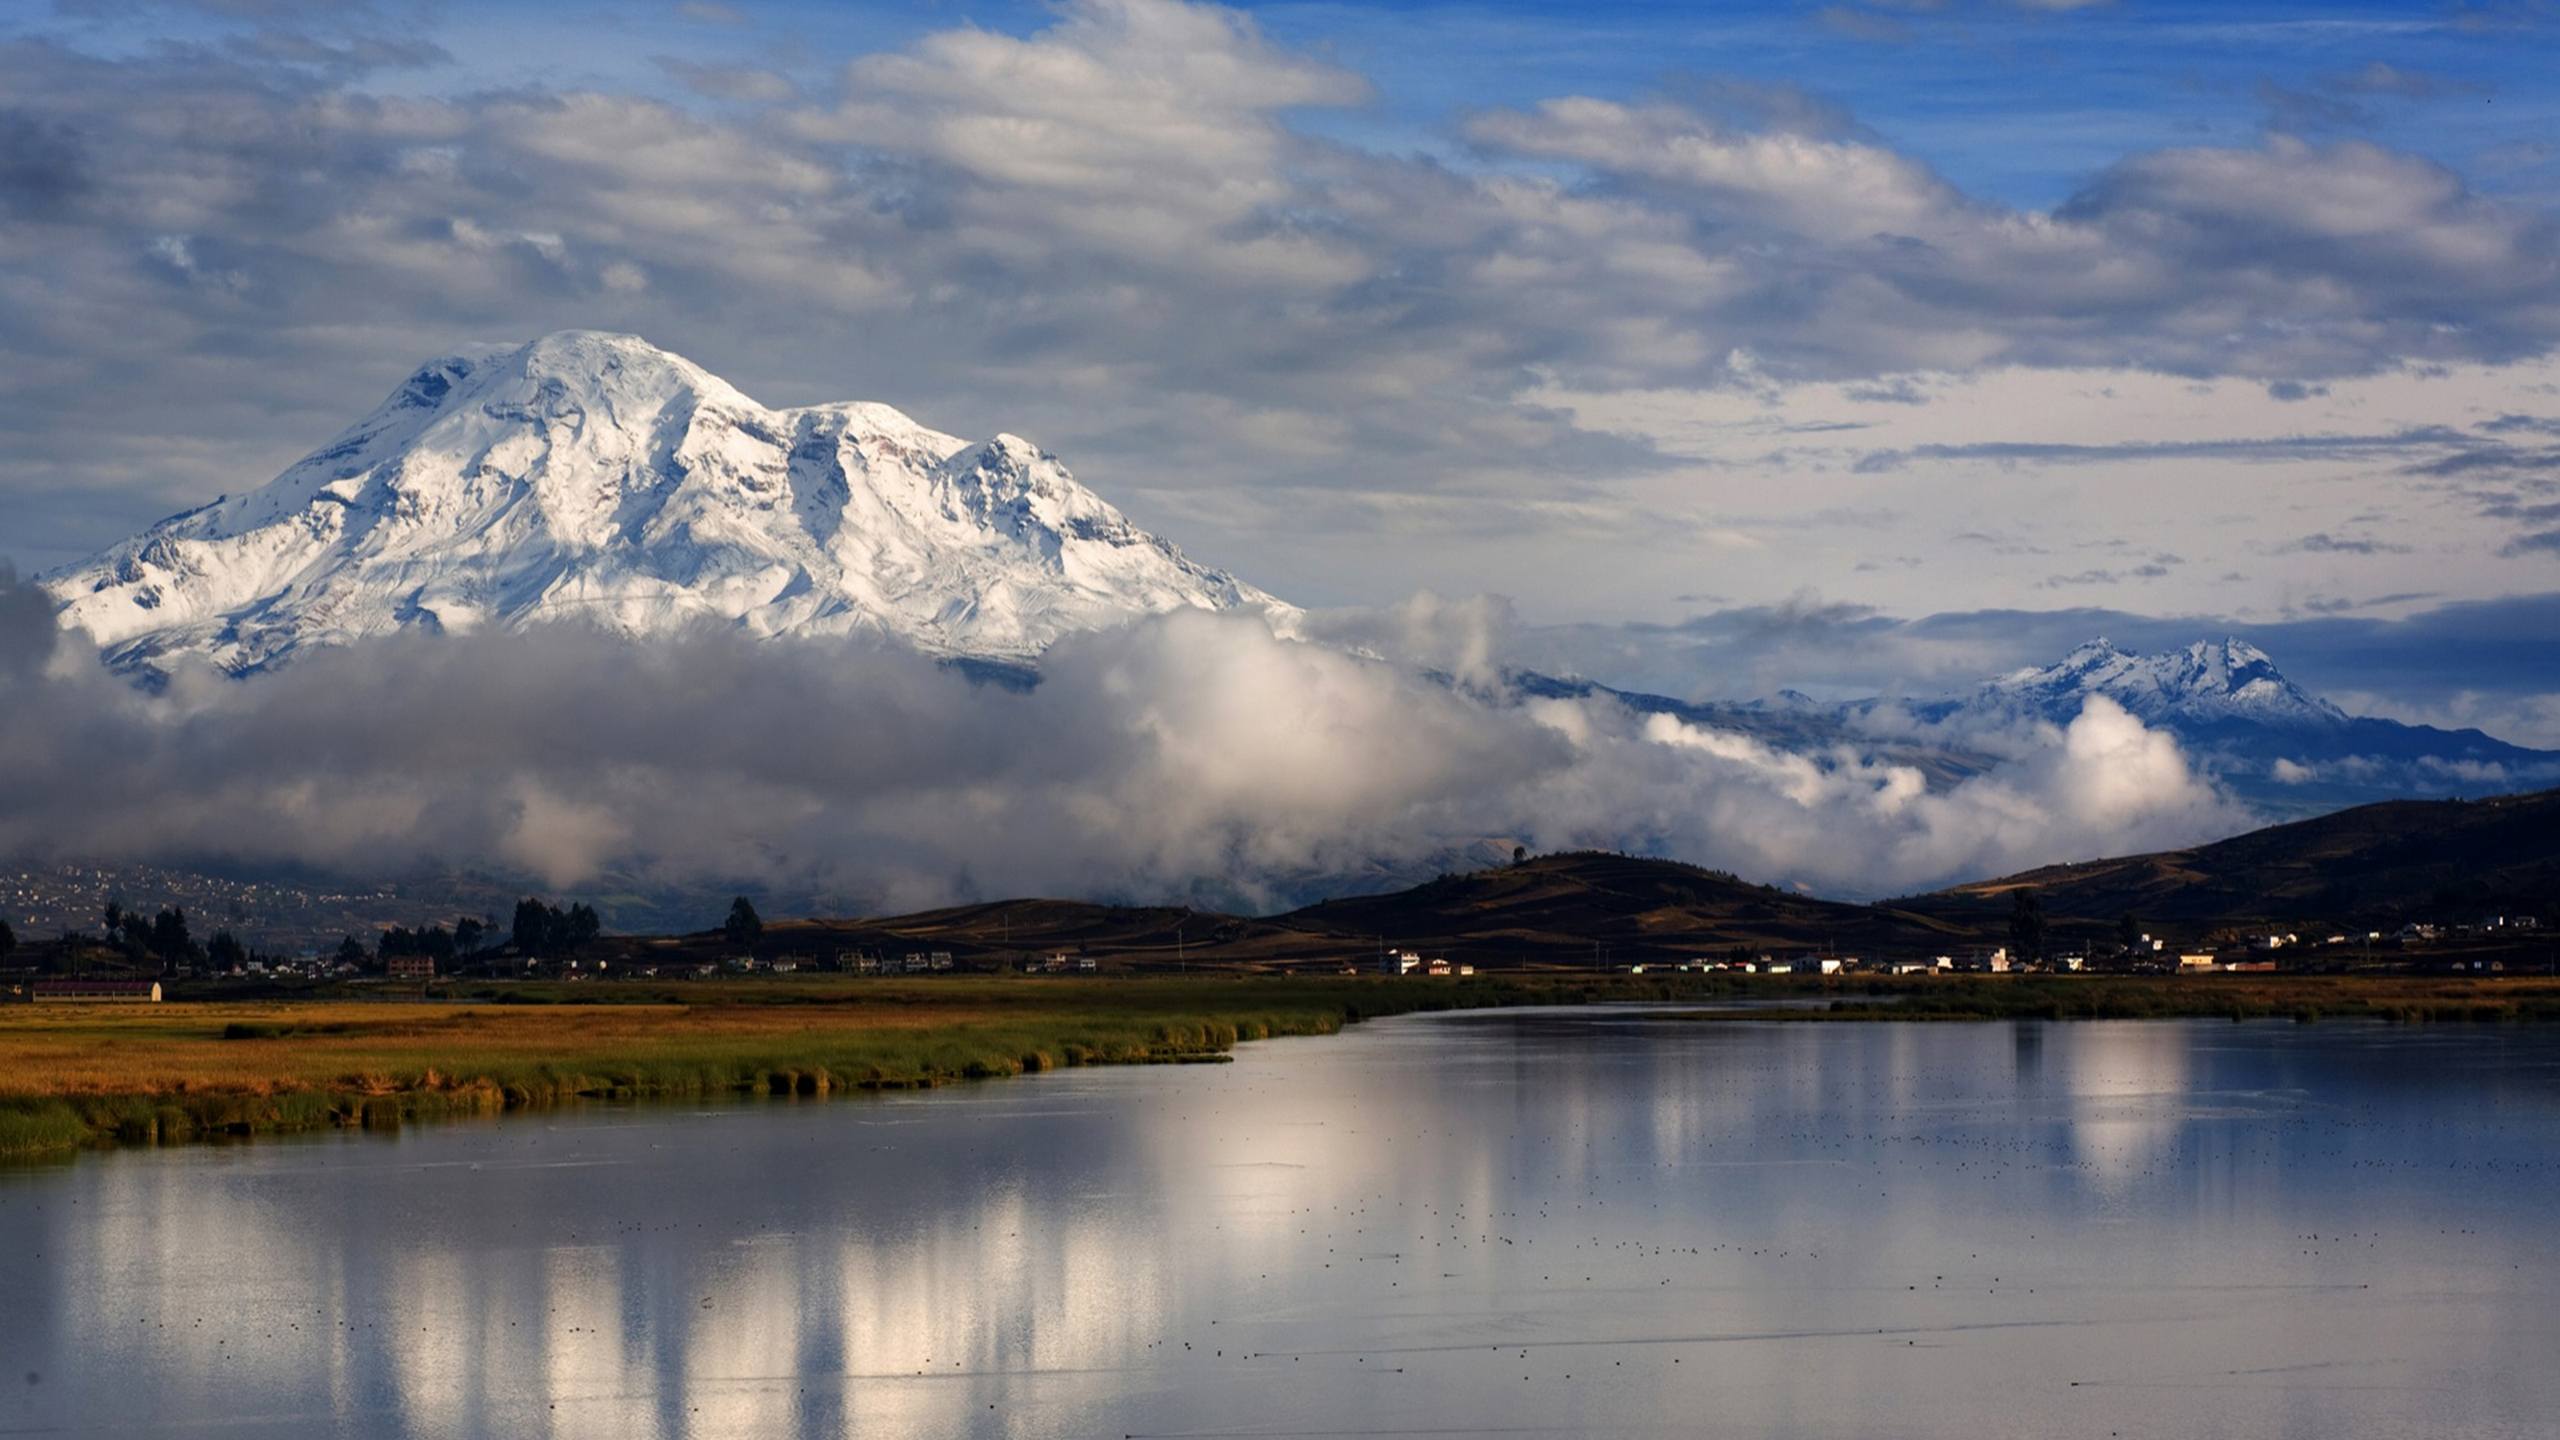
x: 1190, y: 755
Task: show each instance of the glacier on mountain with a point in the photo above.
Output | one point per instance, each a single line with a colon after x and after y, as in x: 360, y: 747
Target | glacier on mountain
x: 2207, y: 681
x: 594, y: 476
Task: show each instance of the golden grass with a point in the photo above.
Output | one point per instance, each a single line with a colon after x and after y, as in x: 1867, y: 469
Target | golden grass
x: 70, y: 1074
x: 70, y: 1050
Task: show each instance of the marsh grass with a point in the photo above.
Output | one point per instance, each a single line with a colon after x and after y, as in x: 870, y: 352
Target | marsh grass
x: 74, y: 1075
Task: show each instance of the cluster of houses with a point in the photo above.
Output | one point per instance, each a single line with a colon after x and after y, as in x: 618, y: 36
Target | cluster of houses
x: 1979, y: 962
x: 1410, y: 962
x: 914, y: 962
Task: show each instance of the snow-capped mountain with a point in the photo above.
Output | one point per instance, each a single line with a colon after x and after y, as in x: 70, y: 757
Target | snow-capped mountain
x: 595, y: 476
x: 2210, y: 680
x: 2239, y: 720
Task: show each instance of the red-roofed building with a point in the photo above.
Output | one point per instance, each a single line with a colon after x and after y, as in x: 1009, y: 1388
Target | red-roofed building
x: 95, y: 992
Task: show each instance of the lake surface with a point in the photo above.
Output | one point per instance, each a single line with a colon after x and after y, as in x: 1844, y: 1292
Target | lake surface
x: 1517, y: 1224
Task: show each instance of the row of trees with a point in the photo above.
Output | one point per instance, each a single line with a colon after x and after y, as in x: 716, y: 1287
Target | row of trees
x: 539, y: 929
x: 165, y: 938
x: 542, y: 928
x: 468, y: 937
x: 162, y: 937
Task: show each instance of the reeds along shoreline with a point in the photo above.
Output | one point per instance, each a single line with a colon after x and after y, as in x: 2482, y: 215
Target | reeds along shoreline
x: 176, y: 1073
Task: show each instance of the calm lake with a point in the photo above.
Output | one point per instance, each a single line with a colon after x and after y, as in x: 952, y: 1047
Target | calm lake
x: 1586, y: 1223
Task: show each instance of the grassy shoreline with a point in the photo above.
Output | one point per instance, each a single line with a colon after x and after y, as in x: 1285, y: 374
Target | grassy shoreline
x: 74, y: 1076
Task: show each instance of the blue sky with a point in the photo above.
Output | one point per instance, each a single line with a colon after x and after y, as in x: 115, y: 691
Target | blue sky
x: 2227, y: 315
x: 2013, y: 102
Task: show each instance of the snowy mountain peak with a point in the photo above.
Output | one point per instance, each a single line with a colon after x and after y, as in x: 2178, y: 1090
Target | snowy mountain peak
x: 2209, y: 680
x: 595, y: 476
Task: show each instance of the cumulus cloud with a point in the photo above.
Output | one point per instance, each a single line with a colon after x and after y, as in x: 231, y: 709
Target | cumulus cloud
x: 1118, y: 232
x: 28, y: 635
x: 1192, y: 755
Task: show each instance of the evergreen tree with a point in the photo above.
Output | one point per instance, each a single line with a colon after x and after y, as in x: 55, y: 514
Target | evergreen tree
x: 532, y: 929
x: 467, y: 934
x: 743, y: 927
x: 168, y: 939
x: 224, y: 951
x: 351, y: 951
x: 2128, y: 930
x: 543, y: 929
x: 2026, y: 926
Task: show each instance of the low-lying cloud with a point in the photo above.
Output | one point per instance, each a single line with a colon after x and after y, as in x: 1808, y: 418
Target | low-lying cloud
x: 1191, y: 756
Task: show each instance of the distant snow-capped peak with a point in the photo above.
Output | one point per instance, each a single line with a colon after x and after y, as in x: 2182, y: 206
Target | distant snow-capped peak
x: 596, y: 476
x: 2228, y: 679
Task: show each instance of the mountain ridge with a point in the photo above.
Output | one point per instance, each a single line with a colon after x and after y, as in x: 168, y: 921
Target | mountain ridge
x: 2238, y: 717
x: 2204, y: 681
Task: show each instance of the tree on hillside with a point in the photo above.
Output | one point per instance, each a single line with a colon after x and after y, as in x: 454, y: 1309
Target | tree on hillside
x: 224, y: 951
x: 743, y: 927
x: 1519, y: 854
x: 2026, y: 927
x: 8, y: 938
x: 2128, y: 931
x: 351, y: 952
x: 115, y: 918
x: 467, y: 935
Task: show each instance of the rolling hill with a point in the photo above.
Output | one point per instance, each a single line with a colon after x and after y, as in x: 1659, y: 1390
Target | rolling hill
x: 2449, y: 861
x: 1565, y: 909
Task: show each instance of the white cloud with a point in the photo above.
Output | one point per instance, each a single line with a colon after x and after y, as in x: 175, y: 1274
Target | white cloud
x: 1361, y: 369
x: 1192, y: 754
